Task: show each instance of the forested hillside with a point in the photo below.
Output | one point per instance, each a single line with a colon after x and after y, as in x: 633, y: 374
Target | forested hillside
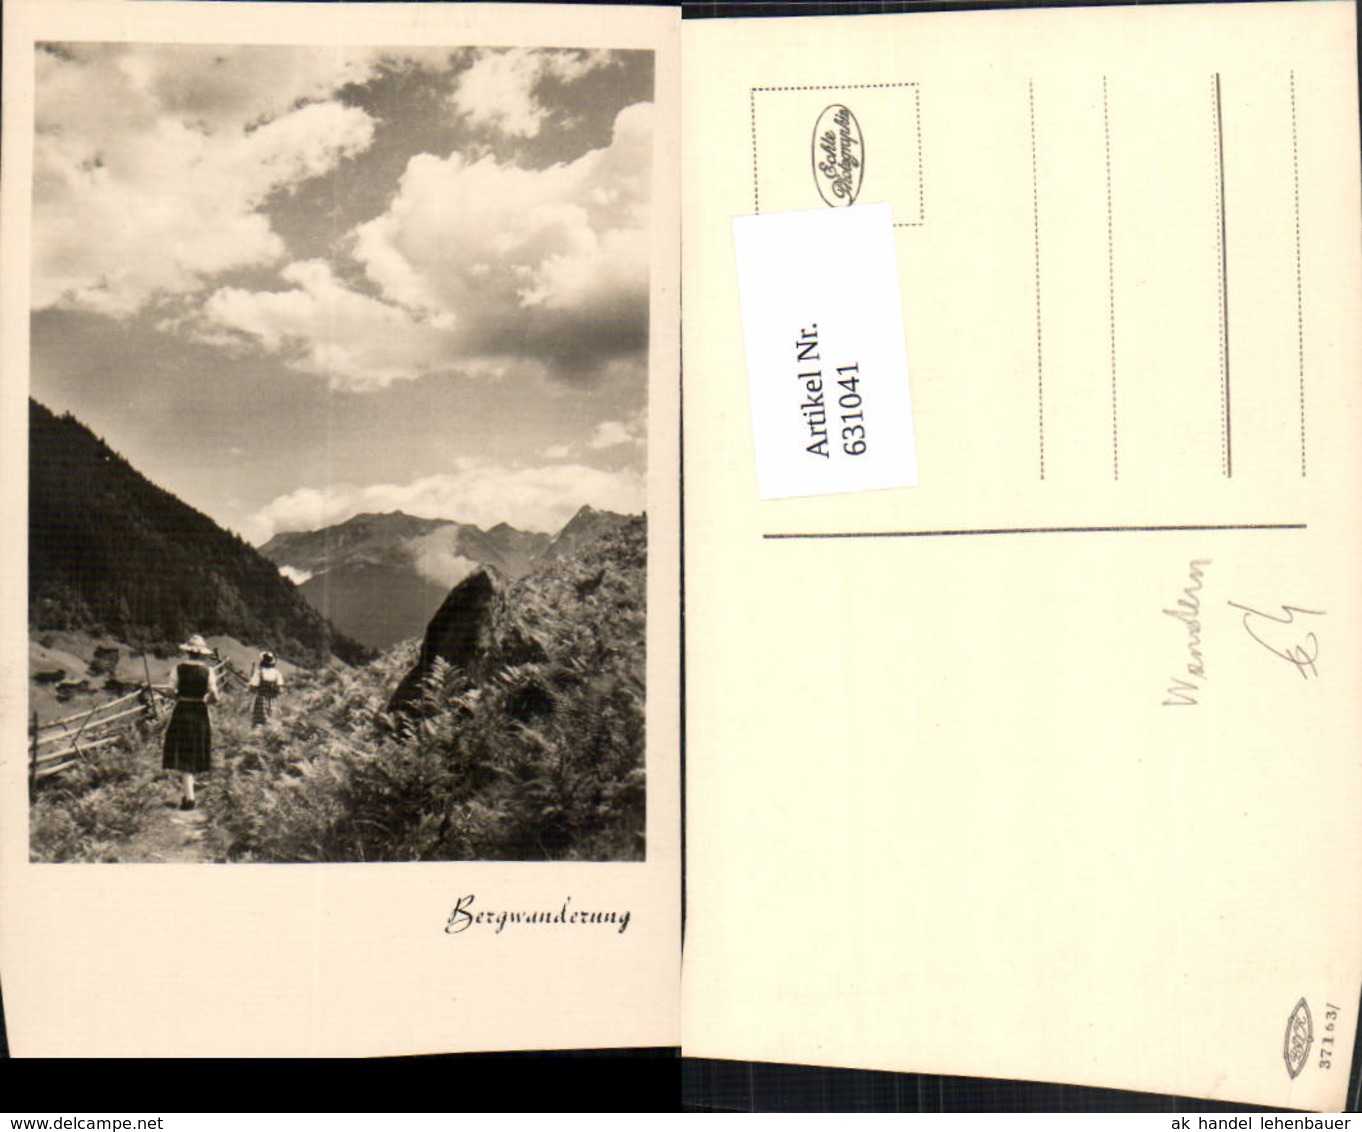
x: 110, y: 552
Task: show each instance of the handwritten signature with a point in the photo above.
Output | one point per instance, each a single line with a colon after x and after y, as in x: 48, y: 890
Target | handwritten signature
x: 1268, y: 630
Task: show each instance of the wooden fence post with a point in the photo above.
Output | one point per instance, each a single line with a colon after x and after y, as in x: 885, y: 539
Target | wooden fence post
x: 151, y: 696
x: 88, y: 716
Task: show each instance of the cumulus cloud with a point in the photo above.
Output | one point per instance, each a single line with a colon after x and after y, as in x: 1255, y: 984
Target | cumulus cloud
x: 295, y: 574
x: 481, y: 266
x: 550, y: 264
x: 498, y: 92
x: 229, y: 87
x: 154, y: 166
x: 613, y: 434
x: 322, y: 326
x: 150, y: 163
x: 437, y: 559
x: 530, y: 498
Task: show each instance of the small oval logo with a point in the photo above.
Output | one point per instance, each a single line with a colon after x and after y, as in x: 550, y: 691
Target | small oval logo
x: 1300, y: 1034
x: 838, y: 155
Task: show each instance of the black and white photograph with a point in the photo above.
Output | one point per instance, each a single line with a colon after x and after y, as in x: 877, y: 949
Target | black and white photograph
x: 338, y: 456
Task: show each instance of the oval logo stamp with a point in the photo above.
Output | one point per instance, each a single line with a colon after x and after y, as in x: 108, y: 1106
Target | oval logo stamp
x: 838, y: 155
x: 1300, y: 1034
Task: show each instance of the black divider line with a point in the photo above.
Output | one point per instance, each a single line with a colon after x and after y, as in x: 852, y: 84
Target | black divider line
x: 1151, y: 529
x: 1035, y: 238
x: 1300, y: 301
x: 1111, y: 291
x: 1224, y: 285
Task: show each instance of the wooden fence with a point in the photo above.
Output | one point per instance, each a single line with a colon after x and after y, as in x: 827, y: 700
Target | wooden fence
x: 85, y: 731
x: 230, y: 676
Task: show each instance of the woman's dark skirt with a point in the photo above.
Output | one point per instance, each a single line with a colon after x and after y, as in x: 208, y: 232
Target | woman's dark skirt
x: 263, y: 707
x: 189, y: 739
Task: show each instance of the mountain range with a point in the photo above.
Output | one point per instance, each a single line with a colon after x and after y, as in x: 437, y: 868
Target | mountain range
x: 112, y: 553
x: 381, y: 577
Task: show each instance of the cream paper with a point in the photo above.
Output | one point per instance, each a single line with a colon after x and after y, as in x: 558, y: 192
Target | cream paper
x: 235, y: 959
x: 1048, y: 767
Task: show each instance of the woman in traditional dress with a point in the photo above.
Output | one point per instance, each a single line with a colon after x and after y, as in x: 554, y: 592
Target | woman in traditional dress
x: 189, y: 735
x: 266, y: 681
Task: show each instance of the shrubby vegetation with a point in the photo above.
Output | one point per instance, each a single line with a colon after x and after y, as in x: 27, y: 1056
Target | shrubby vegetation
x: 87, y: 813
x: 538, y: 759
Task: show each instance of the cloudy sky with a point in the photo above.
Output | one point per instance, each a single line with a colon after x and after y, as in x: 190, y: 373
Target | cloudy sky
x: 292, y: 284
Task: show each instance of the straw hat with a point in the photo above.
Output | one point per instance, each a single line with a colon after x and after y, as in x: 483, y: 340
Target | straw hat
x: 196, y: 646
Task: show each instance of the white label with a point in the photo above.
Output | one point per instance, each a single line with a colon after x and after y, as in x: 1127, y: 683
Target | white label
x: 826, y: 361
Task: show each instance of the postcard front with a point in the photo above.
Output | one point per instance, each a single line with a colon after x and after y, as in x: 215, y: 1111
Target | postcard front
x: 343, y: 346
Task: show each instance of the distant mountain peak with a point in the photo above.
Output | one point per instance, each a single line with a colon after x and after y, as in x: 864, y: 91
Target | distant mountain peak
x: 380, y: 576
x: 386, y: 518
x: 287, y: 545
x: 587, y: 514
x: 585, y: 526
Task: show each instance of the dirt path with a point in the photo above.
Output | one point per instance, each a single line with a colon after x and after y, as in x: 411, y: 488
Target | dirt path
x: 170, y: 835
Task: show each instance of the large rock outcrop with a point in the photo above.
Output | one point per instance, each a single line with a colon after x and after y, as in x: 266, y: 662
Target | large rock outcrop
x: 586, y: 608
x: 458, y: 633
x: 472, y: 631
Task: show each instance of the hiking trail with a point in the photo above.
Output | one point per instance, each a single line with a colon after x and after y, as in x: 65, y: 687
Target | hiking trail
x: 169, y: 834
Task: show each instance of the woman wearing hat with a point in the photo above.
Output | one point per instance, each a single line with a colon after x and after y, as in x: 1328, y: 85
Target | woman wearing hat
x: 189, y: 736
x: 266, y: 681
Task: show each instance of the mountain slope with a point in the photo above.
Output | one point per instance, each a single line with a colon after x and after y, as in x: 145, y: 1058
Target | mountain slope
x: 380, y: 577
x: 528, y: 697
x: 111, y: 552
x: 587, y: 607
x: 583, y: 529
x: 364, y: 538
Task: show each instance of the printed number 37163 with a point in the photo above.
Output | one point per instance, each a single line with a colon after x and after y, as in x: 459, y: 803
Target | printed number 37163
x: 1326, y: 1043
